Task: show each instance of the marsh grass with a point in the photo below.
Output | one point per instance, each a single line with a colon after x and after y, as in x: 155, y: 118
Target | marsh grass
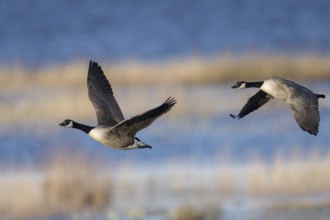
x: 53, y: 106
x: 298, y: 209
x: 47, y: 94
x: 289, y: 176
x: 76, y: 185
x: 68, y: 185
x: 299, y: 205
x: 21, y: 195
x: 72, y: 184
x: 193, y: 70
x: 190, y: 212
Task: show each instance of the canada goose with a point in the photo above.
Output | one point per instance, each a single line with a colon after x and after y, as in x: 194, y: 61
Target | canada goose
x: 302, y: 101
x: 112, y: 129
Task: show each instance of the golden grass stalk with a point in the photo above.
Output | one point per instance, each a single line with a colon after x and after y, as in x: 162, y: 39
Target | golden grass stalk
x: 190, y: 212
x: 75, y: 185
x: 33, y: 97
x: 21, y: 196
x: 193, y: 70
x: 294, y: 176
x: 72, y: 184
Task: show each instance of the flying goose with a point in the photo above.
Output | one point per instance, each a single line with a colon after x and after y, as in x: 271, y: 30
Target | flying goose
x: 302, y: 101
x: 112, y: 128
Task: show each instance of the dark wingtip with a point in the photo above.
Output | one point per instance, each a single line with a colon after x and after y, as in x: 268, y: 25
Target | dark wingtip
x: 95, y: 69
x: 93, y: 64
x: 232, y: 116
x: 314, y: 133
x: 170, y: 101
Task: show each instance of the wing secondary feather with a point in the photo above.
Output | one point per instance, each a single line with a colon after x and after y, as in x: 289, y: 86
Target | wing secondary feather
x: 307, y: 115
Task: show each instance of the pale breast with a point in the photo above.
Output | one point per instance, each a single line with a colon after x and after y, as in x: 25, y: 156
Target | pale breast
x: 109, y: 138
x: 98, y: 134
x: 276, y: 87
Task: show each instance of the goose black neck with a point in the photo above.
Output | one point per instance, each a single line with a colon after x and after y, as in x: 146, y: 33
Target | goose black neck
x: 254, y: 84
x: 84, y: 128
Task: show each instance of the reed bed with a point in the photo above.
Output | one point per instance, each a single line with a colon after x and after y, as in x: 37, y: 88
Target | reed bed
x: 21, y: 194
x: 293, y: 176
x: 189, y: 212
x: 52, y: 106
x: 73, y: 184
x: 40, y: 107
x: 66, y: 185
x: 193, y: 70
x: 53, y: 92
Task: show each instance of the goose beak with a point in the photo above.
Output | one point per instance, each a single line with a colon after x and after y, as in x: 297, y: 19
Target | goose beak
x: 61, y: 124
x: 234, y: 86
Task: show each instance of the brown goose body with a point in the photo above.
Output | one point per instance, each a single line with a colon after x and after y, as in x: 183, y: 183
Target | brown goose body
x: 112, y: 128
x: 302, y: 101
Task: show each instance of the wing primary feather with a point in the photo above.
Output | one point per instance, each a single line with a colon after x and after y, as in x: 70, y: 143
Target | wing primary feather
x: 254, y: 102
x: 138, y: 122
x: 101, y: 95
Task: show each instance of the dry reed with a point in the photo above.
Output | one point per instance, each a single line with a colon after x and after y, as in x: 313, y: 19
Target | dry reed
x: 69, y: 184
x: 189, y: 212
x: 194, y: 70
x: 76, y: 185
x: 299, y: 205
x: 73, y: 184
x: 21, y: 196
x: 53, y: 92
x: 294, y: 176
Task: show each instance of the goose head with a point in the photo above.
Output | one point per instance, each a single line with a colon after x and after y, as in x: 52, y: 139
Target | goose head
x: 239, y: 85
x: 68, y: 123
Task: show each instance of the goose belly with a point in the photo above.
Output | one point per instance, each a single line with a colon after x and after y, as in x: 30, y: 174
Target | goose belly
x: 105, y: 137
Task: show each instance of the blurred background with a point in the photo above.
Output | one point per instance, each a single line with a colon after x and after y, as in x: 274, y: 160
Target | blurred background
x: 203, y: 165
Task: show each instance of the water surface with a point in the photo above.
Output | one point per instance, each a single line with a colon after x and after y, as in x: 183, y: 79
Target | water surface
x: 35, y: 32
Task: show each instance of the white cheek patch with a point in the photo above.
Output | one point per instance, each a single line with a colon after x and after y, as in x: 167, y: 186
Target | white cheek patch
x: 70, y: 125
x: 242, y: 86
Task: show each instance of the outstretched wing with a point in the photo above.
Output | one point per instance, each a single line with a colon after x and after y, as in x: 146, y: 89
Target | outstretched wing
x: 132, y: 125
x: 101, y: 95
x: 255, y: 101
x: 307, y: 114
